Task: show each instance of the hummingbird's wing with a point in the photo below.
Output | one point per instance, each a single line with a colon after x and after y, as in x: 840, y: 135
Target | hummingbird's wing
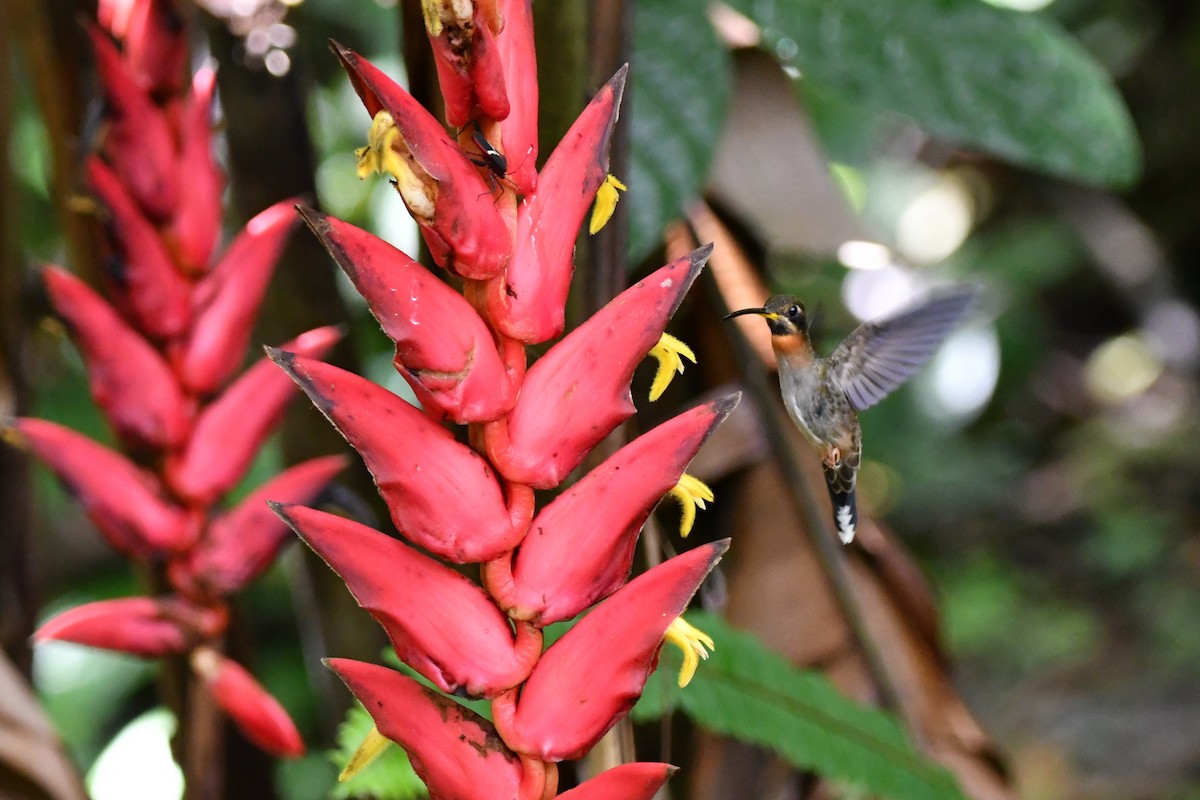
x: 880, y: 355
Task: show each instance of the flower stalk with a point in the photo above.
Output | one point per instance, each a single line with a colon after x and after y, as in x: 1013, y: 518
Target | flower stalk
x: 162, y: 346
x: 506, y: 230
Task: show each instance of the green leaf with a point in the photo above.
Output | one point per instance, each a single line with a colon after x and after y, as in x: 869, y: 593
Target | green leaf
x: 680, y: 94
x: 750, y: 693
x: 388, y: 777
x: 1009, y: 83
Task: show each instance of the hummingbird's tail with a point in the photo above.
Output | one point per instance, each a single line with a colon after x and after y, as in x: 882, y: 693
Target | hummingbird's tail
x: 845, y: 510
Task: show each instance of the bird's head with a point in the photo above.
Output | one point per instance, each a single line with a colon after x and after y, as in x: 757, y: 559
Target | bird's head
x: 783, y: 313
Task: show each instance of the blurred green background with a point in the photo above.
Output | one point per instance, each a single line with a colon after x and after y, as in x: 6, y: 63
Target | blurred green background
x: 1044, y: 471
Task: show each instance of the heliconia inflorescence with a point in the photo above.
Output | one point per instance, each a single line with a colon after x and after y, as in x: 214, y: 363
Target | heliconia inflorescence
x: 506, y: 233
x: 162, y: 354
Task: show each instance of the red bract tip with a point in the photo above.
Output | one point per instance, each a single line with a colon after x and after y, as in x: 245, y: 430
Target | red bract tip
x: 230, y: 430
x: 122, y: 501
x: 132, y: 384
x: 228, y: 299
x: 576, y: 393
x: 242, y: 544
x: 464, y: 230
x: 527, y: 301
x: 454, y: 750
x: 439, y: 622
x: 519, y: 128
x: 443, y: 348
x: 142, y: 626
x: 637, y: 781
x: 197, y: 222
x: 257, y: 714
x: 143, y: 276
x: 468, y: 63
x: 138, y: 140
x: 156, y: 47
x: 587, y: 680
x: 580, y: 547
x: 441, y: 494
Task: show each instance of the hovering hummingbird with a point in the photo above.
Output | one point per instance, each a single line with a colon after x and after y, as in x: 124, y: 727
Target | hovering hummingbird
x: 824, y: 395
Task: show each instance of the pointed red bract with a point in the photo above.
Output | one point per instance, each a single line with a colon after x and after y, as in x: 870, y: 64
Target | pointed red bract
x: 242, y: 544
x: 576, y: 393
x: 466, y: 234
x: 519, y: 128
x: 138, y: 140
x: 527, y: 302
x: 443, y: 348
x: 637, y: 781
x: 229, y: 298
x: 470, y: 72
x: 141, y: 272
x: 580, y: 547
x: 123, y: 501
x: 130, y: 380
x: 197, y: 222
x: 439, y: 622
x: 257, y: 714
x: 230, y: 430
x: 143, y: 626
x: 156, y: 47
x: 454, y: 750
x: 442, y: 495
x: 587, y: 680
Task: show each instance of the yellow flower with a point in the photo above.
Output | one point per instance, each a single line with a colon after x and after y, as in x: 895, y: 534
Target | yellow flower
x: 372, y: 745
x: 606, y: 203
x: 692, y: 493
x: 382, y: 155
x: 694, y: 643
x: 670, y: 353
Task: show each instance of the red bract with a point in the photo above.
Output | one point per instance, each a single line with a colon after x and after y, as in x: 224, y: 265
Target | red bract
x: 454, y: 750
x: 197, y: 222
x: 519, y: 128
x: 441, y: 494
x: 228, y: 299
x: 440, y: 623
x: 123, y: 502
x: 461, y: 224
x: 468, y: 65
x: 229, y: 432
x: 580, y: 547
x: 141, y: 272
x: 587, y: 680
x: 240, y: 545
x: 257, y: 714
x: 155, y: 46
x: 527, y: 301
x: 443, y: 348
x: 138, y: 141
x: 131, y: 381
x: 576, y: 393
x: 143, y: 626
x: 638, y: 781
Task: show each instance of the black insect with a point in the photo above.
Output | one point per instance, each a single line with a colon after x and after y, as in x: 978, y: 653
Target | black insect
x: 488, y: 157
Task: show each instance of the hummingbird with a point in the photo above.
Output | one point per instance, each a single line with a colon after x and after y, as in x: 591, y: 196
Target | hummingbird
x: 824, y: 395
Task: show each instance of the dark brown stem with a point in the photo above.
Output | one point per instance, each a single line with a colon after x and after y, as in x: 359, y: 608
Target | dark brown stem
x: 16, y: 591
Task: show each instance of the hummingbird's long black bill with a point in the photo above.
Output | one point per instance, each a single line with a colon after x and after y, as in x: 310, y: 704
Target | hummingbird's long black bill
x: 762, y: 312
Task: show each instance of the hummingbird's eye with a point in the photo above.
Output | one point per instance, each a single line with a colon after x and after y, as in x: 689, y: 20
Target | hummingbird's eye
x: 793, y: 311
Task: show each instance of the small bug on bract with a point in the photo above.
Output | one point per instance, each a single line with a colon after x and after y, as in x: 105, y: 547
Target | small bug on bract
x: 489, y: 157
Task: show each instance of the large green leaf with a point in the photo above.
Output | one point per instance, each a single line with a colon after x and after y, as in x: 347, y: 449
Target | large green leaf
x: 680, y: 93
x: 750, y: 693
x: 1010, y: 83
